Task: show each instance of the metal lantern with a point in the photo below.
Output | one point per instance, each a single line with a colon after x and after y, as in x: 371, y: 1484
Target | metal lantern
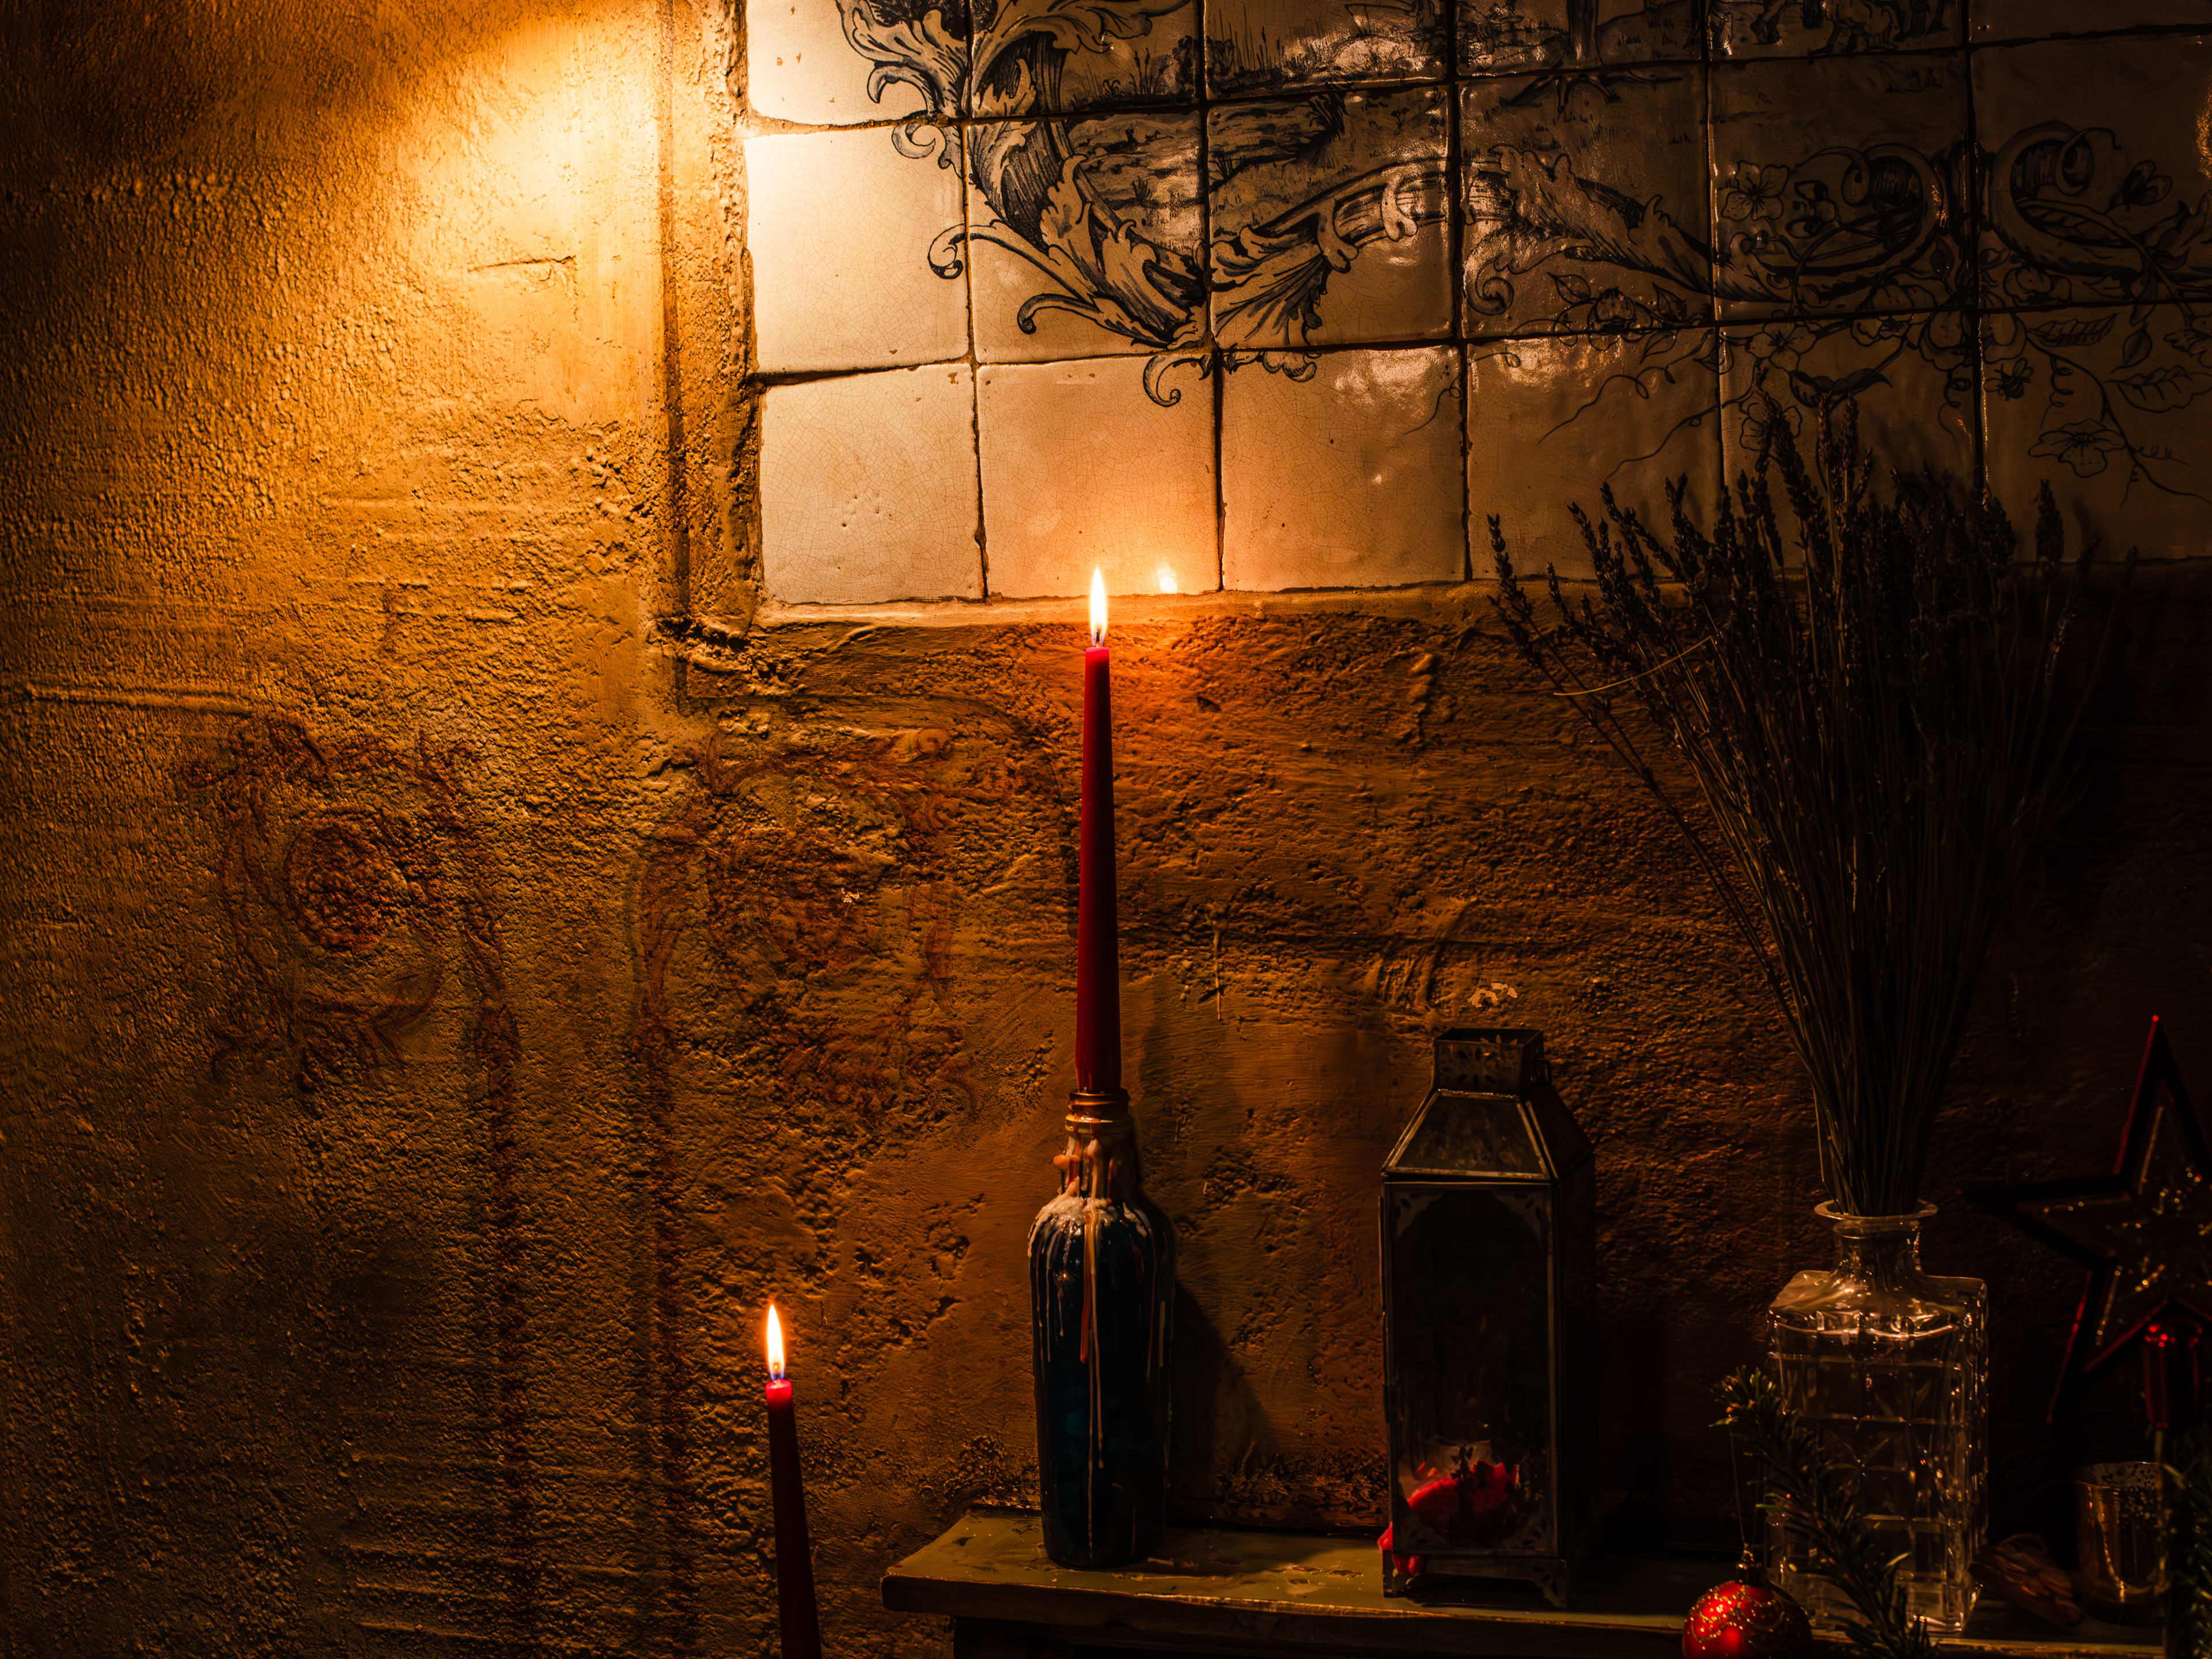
x: 1489, y: 1270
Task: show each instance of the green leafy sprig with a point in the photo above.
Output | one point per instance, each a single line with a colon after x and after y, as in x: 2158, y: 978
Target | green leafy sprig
x: 1800, y: 1484
x: 2187, y: 1459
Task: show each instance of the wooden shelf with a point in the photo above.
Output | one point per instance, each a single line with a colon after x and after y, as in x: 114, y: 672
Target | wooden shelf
x: 1215, y: 1591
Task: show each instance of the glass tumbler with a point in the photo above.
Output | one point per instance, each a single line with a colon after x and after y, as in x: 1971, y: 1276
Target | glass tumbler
x: 2117, y: 1508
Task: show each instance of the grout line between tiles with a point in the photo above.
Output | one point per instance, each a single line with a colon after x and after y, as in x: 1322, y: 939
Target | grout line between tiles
x: 958, y: 138
x: 1456, y: 77
x: 2136, y: 32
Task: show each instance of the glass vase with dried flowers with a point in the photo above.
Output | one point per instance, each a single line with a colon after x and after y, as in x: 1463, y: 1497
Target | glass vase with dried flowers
x: 1877, y: 713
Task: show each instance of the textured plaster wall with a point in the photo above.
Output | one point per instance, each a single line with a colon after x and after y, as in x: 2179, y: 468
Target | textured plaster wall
x: 447, y: 995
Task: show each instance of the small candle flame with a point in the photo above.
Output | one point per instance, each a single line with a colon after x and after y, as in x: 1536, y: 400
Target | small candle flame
x: 1098, y: 606
x: 774, y: 1345
x: 1168, y: 582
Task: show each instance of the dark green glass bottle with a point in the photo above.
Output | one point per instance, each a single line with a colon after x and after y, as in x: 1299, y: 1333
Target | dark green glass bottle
x: 1102, y: 1301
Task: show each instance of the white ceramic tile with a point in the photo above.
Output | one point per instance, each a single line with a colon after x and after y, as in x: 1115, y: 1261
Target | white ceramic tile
x: 1348, y: 478
x: 1084, y: 468
x: 1089, y: 228
x: 1585, y: 203
x: 841, y: 227
x: 1834, y: 28
x: 868, y: 489
x: 800, y: 65
x: 2029, y: 20
x: 1909, y: 382
x: 1328, y: 220
x: 1835, y: 185
x: 2112, y: 407
x: 1550, y: 423
x: 2099, y: 171
x: 1499, y: 36
x: 1269, y: 46
x: 1146, y: 53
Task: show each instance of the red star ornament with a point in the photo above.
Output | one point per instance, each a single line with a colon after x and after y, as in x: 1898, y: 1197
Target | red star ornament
x: 2144, y: 1232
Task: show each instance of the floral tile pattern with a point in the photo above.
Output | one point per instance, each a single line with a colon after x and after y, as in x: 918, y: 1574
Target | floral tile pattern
x: 2110, y: 204
x: 1275, y: 293
x: 1540, y: 410
x: 837, y: 284
x: 1345, y: 475
x: 868, y: 487
x: 1329, y: 220
x: 1269, y: 46
x: 1840, y: 185
x: 1066, y: 447
x: 2112, y: 409
x: 1803, y: 28
x: 1909, y: 383
x: 1082, y: 236
x: 1585, y: 204
x: 1500, y: 36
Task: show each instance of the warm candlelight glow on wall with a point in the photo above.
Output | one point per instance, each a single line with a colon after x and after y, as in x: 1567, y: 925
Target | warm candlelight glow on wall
x: 774, y: 1345
x: 1097, y: 607
x: 1168, y: 582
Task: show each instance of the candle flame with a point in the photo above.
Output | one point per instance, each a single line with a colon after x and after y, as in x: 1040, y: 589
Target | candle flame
x: 1168, y: 582
x: 774, y: 1345
x: 1098, y: 606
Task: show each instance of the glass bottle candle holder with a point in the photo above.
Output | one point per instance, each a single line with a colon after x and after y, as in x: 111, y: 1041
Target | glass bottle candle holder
x: 1101, y: 1300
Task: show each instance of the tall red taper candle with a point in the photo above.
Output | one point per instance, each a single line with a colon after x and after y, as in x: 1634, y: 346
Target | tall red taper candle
x: 1097, y: 951
x: 794, y: 1560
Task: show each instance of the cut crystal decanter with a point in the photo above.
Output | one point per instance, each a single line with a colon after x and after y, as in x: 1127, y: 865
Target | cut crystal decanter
x: 1889, y: 1363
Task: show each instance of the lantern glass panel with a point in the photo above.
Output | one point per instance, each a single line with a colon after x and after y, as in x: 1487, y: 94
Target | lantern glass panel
x: 1470, y: 1134
x: 1489, y: 1248
x: 1473, y: 1325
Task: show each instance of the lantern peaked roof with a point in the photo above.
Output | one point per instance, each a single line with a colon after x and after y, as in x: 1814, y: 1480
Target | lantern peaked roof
x: 1492, y: 1115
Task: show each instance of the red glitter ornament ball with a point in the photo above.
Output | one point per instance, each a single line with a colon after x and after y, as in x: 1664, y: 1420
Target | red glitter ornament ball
x: 1747, y: 1618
